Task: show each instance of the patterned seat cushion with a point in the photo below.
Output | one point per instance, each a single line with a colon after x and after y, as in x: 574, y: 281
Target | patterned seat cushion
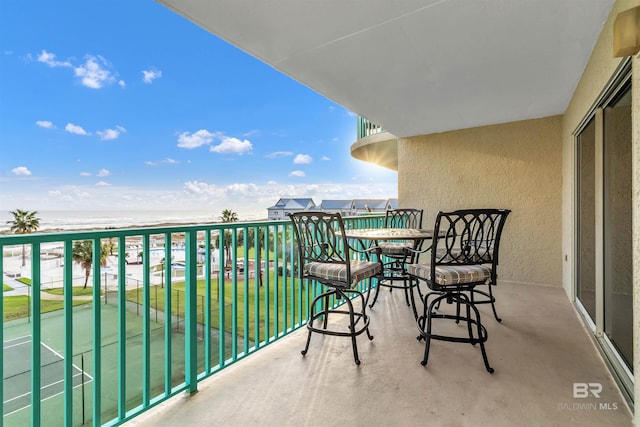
x: 450, y: 275
x: 360, y: 270
x: 394, y: 248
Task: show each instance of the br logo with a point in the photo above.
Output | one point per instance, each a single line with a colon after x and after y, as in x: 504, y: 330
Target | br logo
x: 584, y: 390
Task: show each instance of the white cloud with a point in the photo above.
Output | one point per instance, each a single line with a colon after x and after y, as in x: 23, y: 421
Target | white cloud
x: 44, y: 124
x: 148, y: 76
x: 121, y: 83
x: 78, y: 130
x: 302, y: 159
x: 297, y: 173
x: 85, y: 174
x: 279, y: 154
x: 250, y: 200
x: 109, y: 134
x: 230, y: 145
x: 102, y: 184
x: 50, y: 59
x: 21, y: 171
x: 196, y: 139
x: 104, y: 172
x: 94, y: 72
x: 325, y: 158
x: 227, y: 145
x: 167, y: 160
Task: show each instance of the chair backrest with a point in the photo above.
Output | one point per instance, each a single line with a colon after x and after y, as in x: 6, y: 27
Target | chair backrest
x: 468, y: 237
x: 403, y: 218
x: 321, y: 238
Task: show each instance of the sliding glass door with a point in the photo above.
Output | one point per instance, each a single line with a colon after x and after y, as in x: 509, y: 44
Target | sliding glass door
x: 604, y: 255
x: 617, y: 252
x: 586, y: 220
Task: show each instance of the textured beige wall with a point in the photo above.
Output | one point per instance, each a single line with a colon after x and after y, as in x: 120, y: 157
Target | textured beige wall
x: 635, y: 205
x: 517, y: 166
x: 598, y: 71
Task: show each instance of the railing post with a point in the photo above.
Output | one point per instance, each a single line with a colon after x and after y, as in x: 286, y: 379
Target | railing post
x: 234, y: 294
x: 146, y: 321
x: 122, y: 329
x: 168, y: 314
x: 97, y: 334
x: 190, y: 312
x: 67, y: 284
x: 36, y: 365
x: 207, y: 304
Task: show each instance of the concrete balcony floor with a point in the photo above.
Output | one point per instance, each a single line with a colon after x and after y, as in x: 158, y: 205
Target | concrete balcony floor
x: 539, y: 351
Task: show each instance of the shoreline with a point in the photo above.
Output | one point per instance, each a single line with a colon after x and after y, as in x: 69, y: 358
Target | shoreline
x: 72, y: 229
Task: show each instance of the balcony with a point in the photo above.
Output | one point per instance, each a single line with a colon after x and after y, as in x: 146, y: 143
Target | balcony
x: 375, y: 145
x: 539, y: 352
x: 164, y: 308
x: 120, y: 357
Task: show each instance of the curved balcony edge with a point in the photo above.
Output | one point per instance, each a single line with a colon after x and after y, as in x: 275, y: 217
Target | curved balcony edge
x: 380, y: 149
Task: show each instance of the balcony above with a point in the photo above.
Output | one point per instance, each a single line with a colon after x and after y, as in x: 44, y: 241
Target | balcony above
x: 375, y: 145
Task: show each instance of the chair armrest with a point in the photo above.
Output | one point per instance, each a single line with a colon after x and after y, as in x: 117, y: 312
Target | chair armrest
x: 368, y: 251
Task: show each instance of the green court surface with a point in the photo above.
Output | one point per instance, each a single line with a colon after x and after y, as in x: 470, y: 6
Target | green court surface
x: 17, y: 381
x: 17, y: 374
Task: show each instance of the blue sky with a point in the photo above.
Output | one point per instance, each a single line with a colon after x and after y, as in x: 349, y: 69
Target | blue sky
x: 127, y: 105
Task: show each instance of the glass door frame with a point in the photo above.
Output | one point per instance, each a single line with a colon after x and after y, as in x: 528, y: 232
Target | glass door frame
x: 622, y: 374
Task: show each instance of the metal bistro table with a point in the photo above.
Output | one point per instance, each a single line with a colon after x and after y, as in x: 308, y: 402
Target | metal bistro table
x: 376, y: 234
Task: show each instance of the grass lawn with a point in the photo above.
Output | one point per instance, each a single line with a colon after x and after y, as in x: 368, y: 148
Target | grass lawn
x: 288, y: 304
x: 17, y: 307
x: 75, y: 291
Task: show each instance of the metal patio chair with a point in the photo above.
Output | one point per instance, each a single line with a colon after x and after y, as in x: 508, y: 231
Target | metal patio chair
x: 398, y: 253
x: 484, y: 229
x: 463, y: 251
x: 324, y: 256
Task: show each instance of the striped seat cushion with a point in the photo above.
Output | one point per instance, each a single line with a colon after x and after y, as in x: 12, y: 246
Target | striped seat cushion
x: 394, y: 248
x: 360, y: 270
x: 450, y: 275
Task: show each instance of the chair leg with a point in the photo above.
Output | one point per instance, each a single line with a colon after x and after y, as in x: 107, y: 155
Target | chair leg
x: 406, y: 290
x: 427, y: 334
x: 375, y: 297
x: 352, y: 326
x: 472, y: 317
x: 482, y: 337
x: 413, y: 299
x: 306, y: 347
x: 310, y: 325
x: 326, y: 312
x: 493, y: 303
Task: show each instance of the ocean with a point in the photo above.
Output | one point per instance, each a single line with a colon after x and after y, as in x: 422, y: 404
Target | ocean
x: 81, y: 219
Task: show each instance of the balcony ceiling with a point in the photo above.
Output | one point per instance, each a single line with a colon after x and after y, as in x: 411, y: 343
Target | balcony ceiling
x: 418, y: 66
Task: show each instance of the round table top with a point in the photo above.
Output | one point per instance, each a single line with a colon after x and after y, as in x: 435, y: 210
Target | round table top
x: 389, y: 233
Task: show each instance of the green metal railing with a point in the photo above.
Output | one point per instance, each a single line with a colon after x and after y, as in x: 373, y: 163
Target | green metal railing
x: 162, y: 326
x: 367, y: 128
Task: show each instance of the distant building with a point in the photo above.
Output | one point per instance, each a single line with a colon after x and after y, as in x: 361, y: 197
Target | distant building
x: 285, y: 206
x: 374, y: 205
x: 345, y: 207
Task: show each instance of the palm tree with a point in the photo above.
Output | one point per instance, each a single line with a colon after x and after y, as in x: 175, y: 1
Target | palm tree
x: 228, y: 216
x: 24, y: 222
x: 261, y: 241
x: 82, y: 253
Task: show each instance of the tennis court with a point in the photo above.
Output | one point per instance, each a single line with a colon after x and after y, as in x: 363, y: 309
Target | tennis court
x: 17, y: 374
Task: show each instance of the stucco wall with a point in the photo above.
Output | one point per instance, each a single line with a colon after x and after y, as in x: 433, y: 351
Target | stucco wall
x: 517, y: 166
x: 598, y: 71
